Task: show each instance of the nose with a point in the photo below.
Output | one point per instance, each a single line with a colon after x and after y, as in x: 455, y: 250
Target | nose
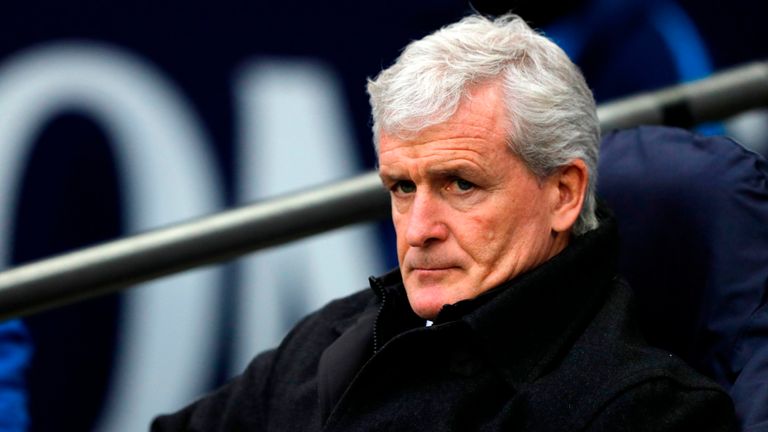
x: 425, y: 223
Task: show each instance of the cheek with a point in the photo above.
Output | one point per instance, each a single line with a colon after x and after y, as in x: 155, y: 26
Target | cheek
x: 483, y: 237
x: 495, y: 245
x: 502, y: 229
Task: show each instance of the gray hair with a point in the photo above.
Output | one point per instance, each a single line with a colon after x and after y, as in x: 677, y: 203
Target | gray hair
x: 551, y: 111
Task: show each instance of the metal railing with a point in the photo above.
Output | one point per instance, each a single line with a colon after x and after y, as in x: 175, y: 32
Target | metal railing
x: 126, y: 262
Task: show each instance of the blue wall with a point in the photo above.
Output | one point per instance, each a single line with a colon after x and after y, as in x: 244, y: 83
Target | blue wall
x: 118, y: 119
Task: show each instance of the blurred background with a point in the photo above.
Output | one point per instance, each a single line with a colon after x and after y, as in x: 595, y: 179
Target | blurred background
x: 119, y: 118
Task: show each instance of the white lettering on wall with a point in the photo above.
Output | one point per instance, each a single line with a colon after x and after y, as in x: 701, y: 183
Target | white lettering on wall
x: 167, y: 340
x: 293, y: 131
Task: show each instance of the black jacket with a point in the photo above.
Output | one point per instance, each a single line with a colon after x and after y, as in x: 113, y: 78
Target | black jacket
x: 555, y: 349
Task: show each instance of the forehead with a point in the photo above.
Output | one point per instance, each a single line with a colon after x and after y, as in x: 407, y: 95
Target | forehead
x: 478, y: 127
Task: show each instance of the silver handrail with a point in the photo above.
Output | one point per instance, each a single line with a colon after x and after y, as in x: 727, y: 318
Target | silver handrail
x: 118, y: 264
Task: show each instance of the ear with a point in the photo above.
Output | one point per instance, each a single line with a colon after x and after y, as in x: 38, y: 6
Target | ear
x: 569, y: 188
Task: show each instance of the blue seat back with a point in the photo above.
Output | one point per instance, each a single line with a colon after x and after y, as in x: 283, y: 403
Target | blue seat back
x: 693, y: 218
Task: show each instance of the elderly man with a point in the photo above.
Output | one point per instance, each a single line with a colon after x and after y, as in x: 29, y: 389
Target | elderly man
x: 505, y: 313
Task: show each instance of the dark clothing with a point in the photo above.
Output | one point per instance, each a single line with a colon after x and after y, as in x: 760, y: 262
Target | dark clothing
x: 554, y: 349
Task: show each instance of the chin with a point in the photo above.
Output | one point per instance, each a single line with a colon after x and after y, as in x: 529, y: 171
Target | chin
x: 426, y: 302
x: 427, y: 313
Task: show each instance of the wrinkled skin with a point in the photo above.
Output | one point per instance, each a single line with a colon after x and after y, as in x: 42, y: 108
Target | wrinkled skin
x: 467, y: 212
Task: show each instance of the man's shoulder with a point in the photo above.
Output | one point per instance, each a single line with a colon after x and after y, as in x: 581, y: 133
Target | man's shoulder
x: 612, y: 375
x: 315, y: 332
x: 648, y: 387
x: 340, y: 312
x: 614, y: 340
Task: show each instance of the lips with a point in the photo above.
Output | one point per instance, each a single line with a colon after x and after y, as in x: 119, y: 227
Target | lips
x: 431, y: 269
x: 430, y: 264
x: 427, y: 264
x: 421, y: 278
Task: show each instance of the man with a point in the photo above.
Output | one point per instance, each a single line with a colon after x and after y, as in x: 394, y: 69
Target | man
x: 505, y: 313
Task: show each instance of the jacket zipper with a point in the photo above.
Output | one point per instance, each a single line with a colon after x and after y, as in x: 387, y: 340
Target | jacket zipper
x: 376, y: 283
x: 379, y: 290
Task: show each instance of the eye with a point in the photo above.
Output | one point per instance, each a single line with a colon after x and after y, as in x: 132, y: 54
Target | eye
x: 404, y: 187
x: 463, y: 185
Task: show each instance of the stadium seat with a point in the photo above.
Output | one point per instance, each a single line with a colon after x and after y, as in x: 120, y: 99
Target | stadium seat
x: 693, y: 218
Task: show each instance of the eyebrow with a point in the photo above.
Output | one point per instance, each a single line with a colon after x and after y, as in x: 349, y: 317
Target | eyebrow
x: 389, y: 177
x: 458, y: 171
x: 441, y: 170
x: 445, y: 169
x: 461, y: 169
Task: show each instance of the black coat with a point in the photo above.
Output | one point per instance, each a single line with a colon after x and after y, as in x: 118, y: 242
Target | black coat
x: 555, y: 349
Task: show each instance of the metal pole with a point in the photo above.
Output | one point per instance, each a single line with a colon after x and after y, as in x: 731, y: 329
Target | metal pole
x: 714, y: 98
x: 116, y: 265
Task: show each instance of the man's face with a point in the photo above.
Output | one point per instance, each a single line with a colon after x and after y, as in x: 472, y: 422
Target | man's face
x: 468, y: 214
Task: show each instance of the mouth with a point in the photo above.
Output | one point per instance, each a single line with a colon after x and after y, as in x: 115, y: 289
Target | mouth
x: 425, y: 265
x: 431, y: 271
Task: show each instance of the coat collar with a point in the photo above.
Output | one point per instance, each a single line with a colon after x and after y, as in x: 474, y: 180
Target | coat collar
x: 527, y: 323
